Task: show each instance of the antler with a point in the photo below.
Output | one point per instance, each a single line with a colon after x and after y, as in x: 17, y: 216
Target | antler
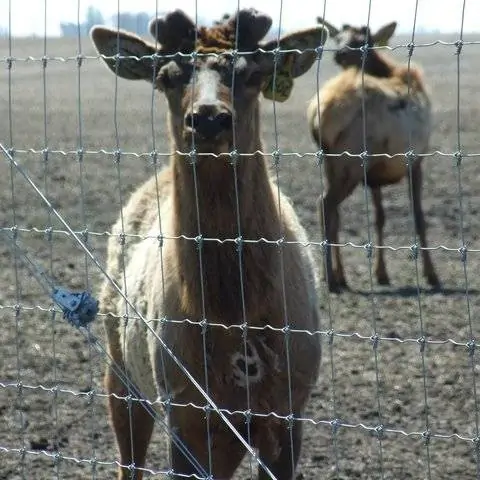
x: 175, y: 31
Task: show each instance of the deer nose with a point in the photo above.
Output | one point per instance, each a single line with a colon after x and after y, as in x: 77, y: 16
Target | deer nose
x: 209, y: 121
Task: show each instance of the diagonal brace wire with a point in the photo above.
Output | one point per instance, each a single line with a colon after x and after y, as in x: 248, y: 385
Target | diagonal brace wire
x: 82, y: 245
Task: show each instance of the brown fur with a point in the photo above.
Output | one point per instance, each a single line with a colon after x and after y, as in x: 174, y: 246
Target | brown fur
x: 216, y: 39
x: 223, y: 36
x: 185, y: 280
x: 383, y: 92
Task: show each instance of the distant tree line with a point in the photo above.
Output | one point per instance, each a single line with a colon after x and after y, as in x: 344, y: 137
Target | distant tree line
x: 133, y: 22
x: 94, y: 17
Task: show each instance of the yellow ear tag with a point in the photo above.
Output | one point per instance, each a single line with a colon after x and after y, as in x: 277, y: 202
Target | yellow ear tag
x: 283, y: 81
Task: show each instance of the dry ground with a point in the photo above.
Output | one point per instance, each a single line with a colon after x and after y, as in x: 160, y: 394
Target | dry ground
x: 397, y: 388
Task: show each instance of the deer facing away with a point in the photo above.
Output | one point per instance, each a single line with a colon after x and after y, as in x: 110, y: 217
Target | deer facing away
x: 201, y: 197
x: 397, y: 120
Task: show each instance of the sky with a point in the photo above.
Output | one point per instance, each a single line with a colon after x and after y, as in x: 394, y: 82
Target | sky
x: 37, y: 16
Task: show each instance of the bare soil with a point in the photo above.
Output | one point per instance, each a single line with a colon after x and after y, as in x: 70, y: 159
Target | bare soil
x: 402, y: 407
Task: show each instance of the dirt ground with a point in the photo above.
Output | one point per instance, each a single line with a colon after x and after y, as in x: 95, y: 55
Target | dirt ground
x: 402, y: 412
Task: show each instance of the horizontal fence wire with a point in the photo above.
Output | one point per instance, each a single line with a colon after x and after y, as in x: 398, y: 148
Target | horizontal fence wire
x: 414, y: 249
x: 79, y: 58
x: 456, y: 155
x: 334, y: 423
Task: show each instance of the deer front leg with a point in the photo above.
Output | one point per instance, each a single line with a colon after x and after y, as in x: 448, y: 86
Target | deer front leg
x: 342, y: 176
x: 330, y: 224
x: 132, y: 428
x: 284, y: 462
x: 213, y: 448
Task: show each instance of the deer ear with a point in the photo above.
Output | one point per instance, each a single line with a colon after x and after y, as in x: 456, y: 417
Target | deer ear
x: 384, y: 34
x: 289, y: 65
x: 332, y: 30
x: 109, y: 43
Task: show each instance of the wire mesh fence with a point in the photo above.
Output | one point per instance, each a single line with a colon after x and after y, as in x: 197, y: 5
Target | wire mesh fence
x: 395, y: 396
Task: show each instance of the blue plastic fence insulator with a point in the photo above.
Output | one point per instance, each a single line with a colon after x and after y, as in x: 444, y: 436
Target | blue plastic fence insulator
x: 79, y: 308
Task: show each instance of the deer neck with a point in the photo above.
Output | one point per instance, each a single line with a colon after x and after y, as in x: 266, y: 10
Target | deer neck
x: 216, y: 198
x: 379, y: 65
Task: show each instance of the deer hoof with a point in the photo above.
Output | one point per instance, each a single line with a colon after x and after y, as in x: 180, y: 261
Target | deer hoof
x: 383, y: 279
x: 337, y: 286
x: 434, y: 281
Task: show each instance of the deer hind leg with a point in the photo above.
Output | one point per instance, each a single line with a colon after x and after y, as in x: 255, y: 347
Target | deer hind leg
x: 420, y: 224
x: 380, y: 267
x: 282, y: 461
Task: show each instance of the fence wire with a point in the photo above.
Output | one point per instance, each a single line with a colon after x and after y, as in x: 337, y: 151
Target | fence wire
x: 339, y: 436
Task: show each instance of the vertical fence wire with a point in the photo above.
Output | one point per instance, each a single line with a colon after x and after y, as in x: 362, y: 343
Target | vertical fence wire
x: 49, y: 235
x: 201, y: 266
x: 85, y: 238
x: 379, y: 430
x: 234, y: 159
x: 156, y: 172
x: 157, y: 168
x: 122, y: 239
x: 458, y: 157
x: 276, y: 159
x: 326, y: 249
x: 410, y: 158
x: 20, y: 401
